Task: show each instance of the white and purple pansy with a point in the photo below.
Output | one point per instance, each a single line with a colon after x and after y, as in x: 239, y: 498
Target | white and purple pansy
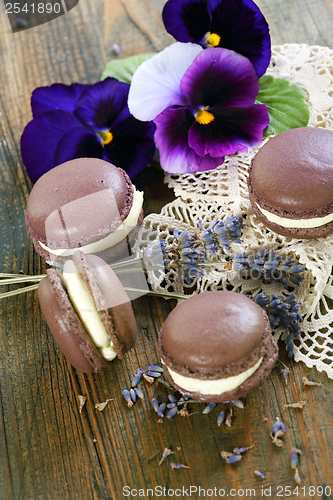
x: 203, y: 105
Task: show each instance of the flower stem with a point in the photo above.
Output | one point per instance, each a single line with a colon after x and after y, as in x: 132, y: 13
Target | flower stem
x: 40, y: 277
x: 19, y: 278
x: 18, y: 291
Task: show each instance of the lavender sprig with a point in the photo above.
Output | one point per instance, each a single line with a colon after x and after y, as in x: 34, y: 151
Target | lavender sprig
x: 220, y: 234
x: 270, y: 267
x: 191, y: 255
x: 283, y: 311
x: 194, y: 250
x: 156, y: 254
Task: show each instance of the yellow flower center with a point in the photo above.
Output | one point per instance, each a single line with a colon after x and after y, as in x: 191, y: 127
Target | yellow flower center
x: 203, y: 117
x: 212, y: 39
x: 106, y: 137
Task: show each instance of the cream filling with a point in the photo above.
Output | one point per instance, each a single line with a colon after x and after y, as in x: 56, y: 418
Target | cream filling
x: 218, y: 386
x: 86, y: 309
x: 112, y: 239
x: 296, y: 223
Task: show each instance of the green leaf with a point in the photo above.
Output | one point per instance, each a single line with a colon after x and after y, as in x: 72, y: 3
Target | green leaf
x: 285, y: 103
x: 123, y: 69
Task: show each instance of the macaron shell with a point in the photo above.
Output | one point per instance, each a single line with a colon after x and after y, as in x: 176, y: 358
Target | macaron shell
x: 268, y: 362
x: 291, y: 176
x: 107, y: 255
x: 66, y: 327
x: 78, y: 202
x: 215, y: 334
x: 293, y: 171
x: 292, y: 232
x: 111, y: 300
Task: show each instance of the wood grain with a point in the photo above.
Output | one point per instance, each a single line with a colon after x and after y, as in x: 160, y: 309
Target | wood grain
x: 48, y: 449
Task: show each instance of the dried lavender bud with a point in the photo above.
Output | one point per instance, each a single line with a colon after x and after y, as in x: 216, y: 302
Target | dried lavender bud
x: 171, y: 413
x: 259, y: 474
x: 238, y: 403
x: 155, y: 368
x: 233, y: 459
x: 279, y: 426
x: 137, y: 377
x: 128, y: 398
x: 139, y: 393
x: 166, y: 453
x: 220, y: 418
x: 116, y: 49
x: 155, y: 404
x: 161, y: 409
x: 239, y: 451
x: 294, y: 457
x: 285, y: 373
x: 154, y: 374
x: 133, y: 395
x: 135, y: 380
x: 209, y: 408
x: 172, y: 398
x: 172, y: 405
x: 179, y: 466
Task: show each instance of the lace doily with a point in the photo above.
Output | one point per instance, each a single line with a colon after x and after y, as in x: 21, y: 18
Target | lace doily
x: 222, y: 193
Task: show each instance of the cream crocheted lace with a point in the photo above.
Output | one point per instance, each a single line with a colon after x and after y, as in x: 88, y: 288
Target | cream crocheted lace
x: 222, y: 193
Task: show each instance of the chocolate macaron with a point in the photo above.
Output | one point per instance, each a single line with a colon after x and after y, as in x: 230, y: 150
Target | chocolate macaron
x: 217, y: 346
x: 88, y: 312
x: 87, y: 204
x: 291, y: 183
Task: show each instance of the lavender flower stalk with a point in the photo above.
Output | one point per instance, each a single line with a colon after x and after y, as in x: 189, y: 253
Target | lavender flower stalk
x: 270, y: 267
x: 283, y: 311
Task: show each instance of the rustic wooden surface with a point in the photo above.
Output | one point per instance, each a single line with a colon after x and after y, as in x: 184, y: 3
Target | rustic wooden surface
x: 48, y: 450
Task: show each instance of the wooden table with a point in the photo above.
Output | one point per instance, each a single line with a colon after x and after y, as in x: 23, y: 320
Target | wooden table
x: 48, y: 449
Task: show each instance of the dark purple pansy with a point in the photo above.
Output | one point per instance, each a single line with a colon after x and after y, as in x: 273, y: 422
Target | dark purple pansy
x: 237, y: 25
x: 76, y: 121
x: 216, y: 114
x: 57, y: 96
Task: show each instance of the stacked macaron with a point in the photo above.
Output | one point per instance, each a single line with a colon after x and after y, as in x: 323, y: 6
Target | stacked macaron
x: 88, y: 312
x: 217, y: 346
x: 291, y: 183
x: 86, y: 204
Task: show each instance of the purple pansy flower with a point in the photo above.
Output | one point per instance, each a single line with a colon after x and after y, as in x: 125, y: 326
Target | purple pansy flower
x: 202, y: 102
x: 75, y: 121
x: 237, y: 25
